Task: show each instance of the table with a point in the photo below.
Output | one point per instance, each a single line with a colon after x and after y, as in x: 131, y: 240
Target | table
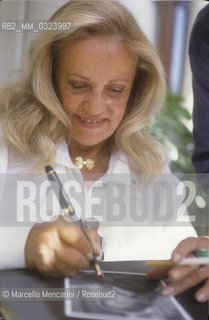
x: 53, y: 310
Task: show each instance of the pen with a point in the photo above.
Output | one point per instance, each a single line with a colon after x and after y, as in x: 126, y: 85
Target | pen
x: 183, y: 262
x: 69, y: 210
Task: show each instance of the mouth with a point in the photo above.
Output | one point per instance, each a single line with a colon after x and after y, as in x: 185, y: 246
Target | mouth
x: 91, y: 122
x: 87, y: 120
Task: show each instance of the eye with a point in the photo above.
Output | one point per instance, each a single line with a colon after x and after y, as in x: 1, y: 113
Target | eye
x: 77, y: 85
x: 115, y: 91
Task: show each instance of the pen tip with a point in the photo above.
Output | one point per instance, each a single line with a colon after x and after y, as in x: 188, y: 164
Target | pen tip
x: 98, y: 271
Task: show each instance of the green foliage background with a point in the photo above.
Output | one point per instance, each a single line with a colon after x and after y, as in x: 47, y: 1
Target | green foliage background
x: 171, y: 128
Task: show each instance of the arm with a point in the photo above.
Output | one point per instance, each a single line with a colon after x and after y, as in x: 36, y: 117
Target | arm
x: 185, y: 277
x: 199, y: 60
x: 12, y: 242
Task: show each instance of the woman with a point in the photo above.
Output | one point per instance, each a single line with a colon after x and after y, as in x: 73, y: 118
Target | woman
x: 83, y: 107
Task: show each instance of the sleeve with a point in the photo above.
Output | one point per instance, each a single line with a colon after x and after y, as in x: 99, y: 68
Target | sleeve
x: 3, y: 154
x: 12, y: 238
x: 179, y: 226
x: 171, y: 236
x: 155, y: 221
x: 12, y: 246
x: 142, y: 243
x: 199, y: 60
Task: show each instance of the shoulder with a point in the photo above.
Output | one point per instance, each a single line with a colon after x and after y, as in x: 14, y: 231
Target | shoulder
x: 119, y: 163
x: 9, y: 162
x: 201, y: 27
x: 203, y: 16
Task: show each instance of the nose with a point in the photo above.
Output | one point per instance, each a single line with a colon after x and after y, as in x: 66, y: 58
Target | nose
x: 95, y: 105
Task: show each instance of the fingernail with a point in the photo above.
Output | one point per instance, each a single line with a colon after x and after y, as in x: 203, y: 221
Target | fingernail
x: 201, y: 297
x: 177, y: 257
x: 168, y: 291
x: 89, y: 256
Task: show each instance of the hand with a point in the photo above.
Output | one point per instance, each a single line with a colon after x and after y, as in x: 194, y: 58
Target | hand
x: 60, y: 248
x: 184, y: 277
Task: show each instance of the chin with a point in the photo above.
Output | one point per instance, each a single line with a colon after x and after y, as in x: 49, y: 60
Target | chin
x: 88, y: 143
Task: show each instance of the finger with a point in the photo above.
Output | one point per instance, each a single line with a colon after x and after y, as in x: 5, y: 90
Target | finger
x: 48, y: 270
x: 65, y: 269
x: 90, y: 234
x: 186, y: 246
x: 158, y: 273
x: 74, y: 237
x: 202, y: 295
x: 189, y: 281
x: 73, y: 258
x: 95, y: 240
x: 180, y: 272
x: 45, y: 259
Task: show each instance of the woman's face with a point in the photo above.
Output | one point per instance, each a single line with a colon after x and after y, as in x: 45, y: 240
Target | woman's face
x: 94, y: 80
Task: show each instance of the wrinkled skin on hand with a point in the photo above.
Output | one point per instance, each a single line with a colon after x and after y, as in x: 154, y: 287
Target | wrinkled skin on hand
x: 185, y: 277
x: 59, y: 247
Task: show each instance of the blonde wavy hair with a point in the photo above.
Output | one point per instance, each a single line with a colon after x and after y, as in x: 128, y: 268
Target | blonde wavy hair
x: 32, y: 117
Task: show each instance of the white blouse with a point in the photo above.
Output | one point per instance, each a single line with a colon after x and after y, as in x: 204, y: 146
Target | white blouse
x: 137, y: 222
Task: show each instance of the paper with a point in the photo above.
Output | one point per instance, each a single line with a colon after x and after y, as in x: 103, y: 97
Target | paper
x: 120, y: 296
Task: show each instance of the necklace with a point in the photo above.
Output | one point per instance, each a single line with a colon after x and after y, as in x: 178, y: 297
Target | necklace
x: 89, y: 163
